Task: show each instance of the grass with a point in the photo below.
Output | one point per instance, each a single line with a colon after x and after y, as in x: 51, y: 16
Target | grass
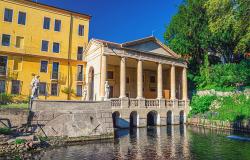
x: 20, y: 141
x: 5, y: 131
x: 231, y: 108
x: 13, y: 105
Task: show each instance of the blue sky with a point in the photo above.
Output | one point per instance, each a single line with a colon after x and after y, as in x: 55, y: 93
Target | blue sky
x: 123, y: 20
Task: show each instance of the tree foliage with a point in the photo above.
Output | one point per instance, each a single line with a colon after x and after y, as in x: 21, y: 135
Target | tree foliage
x: 220, y: 27
x: 221, y: 76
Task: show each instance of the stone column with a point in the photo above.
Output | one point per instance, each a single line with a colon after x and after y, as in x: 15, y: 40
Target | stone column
x: 139, y: 80
x: 172, y: 82
x: 184, y: 84
x: 123, y: 78
x: 103, y: 76
x: 159, y: 81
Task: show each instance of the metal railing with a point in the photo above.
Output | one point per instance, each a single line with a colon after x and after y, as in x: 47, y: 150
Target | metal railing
x: 54, y: 75
x: 79, y: 77
x: 79, y: 56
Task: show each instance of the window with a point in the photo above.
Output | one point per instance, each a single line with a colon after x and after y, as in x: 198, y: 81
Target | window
x: 44, y: 66
x: 79, y: 72
x: 5, y: 40
x: 2, y: 86
x: 55, y: 69
x: 127, y: 80
x: 46, y: 23
x: 79, y: 90
x: 81, y: 30
x: 56, y: 47
x: 152, y: 89
x: 57, y: 25
x: 111, y: 91
x: 22, y: 18
x: 45, y: 46
x: 54, y: 89
x: 3, y: 65
x: 152, y: 79
x: 17, y: 63
x: 15, y: 88
x: 19, y: 42
x: 110, y: 75
x: 42, y: 88
x: 8, y: 13
x: 80, y: 53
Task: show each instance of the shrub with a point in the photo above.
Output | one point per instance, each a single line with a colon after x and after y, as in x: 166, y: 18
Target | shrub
x: 5, y: 98
x: 224, y: 77
x: 20, y: 141
x: 201, y: 104
x: 66, y: 90
x: 5, y: 131
x: 233, y: 108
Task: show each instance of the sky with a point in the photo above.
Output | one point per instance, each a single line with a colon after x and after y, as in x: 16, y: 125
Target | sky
x: 123, y: 20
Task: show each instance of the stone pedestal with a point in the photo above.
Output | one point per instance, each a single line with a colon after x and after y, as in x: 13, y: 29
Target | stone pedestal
x: 124, y: 102
x: 141, y: 103
x: 162, y: 103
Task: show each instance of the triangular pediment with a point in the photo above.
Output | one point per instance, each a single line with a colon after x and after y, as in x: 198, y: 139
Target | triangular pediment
x: 150, y: 44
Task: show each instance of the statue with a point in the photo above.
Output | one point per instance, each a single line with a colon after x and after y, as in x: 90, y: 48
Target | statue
x: 84, y: 93
x: 35, y: 87
x: 107, y: 90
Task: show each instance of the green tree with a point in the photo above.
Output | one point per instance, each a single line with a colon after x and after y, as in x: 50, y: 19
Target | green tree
x: 228, y: 23
x: 188, y: 32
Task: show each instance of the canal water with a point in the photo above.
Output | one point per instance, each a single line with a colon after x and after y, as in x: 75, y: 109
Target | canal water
x: 169, y: 142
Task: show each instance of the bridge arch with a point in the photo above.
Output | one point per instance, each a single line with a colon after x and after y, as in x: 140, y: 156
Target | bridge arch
x: 134, y: 119
x: 182, y: 117
x: 153, y: 118
x: 115, y: 116
x: 169, y: 117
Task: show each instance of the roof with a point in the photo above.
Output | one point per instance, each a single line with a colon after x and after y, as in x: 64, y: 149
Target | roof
x: 38, y: 4
x: 127, y: 45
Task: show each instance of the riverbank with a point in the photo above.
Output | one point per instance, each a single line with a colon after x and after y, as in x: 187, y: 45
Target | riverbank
x: 25, y: 144
x: 243, y: 126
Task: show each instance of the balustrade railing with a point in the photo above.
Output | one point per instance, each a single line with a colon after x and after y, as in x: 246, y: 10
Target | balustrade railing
x: 169, y: 103
x: 151, y: 102
x: 181, y: 103
x: 116, y: 102
x: 133, y: 102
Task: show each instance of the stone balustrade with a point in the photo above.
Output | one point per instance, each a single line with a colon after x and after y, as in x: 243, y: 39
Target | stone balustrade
x: 149, y: 103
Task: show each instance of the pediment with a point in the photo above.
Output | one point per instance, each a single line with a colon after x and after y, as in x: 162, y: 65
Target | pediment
x: 150, y: 44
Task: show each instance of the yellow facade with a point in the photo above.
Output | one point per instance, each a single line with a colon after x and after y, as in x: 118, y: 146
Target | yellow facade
x: 24, y: 56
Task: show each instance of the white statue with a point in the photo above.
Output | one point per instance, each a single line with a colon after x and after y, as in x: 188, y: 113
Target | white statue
x: 84, y: 93
x: 107, y: 91
x: 35, y: 87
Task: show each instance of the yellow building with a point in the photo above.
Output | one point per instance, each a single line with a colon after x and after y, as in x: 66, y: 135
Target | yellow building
x: 37, y: 39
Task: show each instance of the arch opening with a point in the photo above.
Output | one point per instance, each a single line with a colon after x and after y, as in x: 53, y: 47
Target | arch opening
x: 182, y: 117
x: 91, y: 83
x: 169, y: 118
x: 134, y: 119
x: 153, y: 118
x: 115, y: 116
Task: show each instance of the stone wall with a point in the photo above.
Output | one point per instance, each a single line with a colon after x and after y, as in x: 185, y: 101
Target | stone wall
x: 13, y: 118
x: 71, y: 118
x: 220, y: 93
x: 238, y: 125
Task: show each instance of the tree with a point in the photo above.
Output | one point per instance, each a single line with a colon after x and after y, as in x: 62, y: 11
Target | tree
x: 188, y: 32
x: 228, y: 23
x: 220, y: 27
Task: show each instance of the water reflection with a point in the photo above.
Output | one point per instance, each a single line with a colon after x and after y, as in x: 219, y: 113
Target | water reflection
x: 170, y: 142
